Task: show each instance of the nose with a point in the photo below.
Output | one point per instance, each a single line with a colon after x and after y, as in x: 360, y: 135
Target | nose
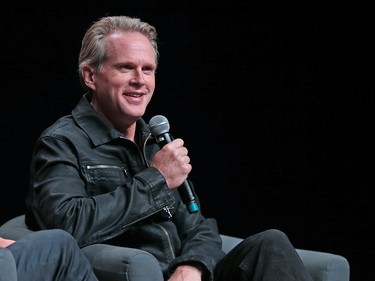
x: 138, y: 77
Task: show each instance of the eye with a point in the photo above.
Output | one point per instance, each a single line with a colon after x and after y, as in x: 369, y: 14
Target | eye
x: 148, y: 69
x: 125, y: 67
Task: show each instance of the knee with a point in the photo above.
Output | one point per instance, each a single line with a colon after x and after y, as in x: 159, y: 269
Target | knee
x: 274, y: 235
x: 143, y: 266
x: 269, y: 238
x: 119, y: 263
x: 59, y: 234
x: 51, y: 234
x: 57, y: 237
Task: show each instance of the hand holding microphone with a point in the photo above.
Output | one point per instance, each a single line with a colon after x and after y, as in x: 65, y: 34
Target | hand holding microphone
x: 172, y: 161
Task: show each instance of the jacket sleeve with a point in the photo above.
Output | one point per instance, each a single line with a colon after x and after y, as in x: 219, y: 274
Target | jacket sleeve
x: 60, y: 199
x: 200, y: 240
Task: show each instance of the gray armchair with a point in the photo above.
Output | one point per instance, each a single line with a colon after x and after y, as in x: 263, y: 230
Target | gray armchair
x: 322, y: 266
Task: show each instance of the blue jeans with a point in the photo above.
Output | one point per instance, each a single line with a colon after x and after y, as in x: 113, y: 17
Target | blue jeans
x: 47, y: 255
x: 8, y: 269
x: 118, y: 263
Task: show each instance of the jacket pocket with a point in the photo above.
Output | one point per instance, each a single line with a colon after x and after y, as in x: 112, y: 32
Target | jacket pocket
x: 103, y: 178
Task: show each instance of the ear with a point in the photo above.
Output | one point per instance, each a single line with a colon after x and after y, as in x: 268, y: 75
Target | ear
x: 88, y: 74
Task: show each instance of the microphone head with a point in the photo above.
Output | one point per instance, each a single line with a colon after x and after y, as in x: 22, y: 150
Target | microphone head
x: 158, y: 125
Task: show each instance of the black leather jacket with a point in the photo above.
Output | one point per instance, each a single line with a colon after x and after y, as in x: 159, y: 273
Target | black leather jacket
x: 87, y: 179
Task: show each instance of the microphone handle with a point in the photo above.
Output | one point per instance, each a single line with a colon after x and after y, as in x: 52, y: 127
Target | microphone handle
x: 187, y: 196
x: 163, y: 139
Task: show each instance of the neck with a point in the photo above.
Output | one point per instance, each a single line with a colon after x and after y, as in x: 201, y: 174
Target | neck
x: 129, y: 132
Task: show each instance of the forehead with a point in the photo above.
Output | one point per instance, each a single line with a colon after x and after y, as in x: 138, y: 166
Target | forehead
x: 128, y: 43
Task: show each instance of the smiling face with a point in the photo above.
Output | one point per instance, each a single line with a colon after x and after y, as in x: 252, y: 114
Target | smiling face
x: 124, y: 84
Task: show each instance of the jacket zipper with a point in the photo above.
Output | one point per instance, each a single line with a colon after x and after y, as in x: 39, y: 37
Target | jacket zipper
x: 168, y: 239
x: 145, y: 162
x: 103, y: 166
x: 143, y: 152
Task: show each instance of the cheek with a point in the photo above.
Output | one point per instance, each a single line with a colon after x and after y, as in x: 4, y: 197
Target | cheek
x: 151, y: 83
x: 101, y: 82
x: 116, y: 81
x: 109, y: 78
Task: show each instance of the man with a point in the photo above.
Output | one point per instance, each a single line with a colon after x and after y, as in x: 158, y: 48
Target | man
x: 46, y: 255
x: 100, y: 175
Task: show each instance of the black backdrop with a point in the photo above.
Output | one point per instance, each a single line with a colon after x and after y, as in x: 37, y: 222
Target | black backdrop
x: 272, y: 99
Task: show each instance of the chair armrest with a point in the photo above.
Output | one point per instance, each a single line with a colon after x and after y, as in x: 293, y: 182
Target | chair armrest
x: 325, y: 266
x: 14, y: 228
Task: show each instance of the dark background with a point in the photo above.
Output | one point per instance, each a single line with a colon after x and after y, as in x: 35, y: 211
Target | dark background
x: 273, y: 100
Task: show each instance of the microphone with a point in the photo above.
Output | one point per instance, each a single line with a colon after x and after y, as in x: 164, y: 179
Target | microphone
x: 159, y: 127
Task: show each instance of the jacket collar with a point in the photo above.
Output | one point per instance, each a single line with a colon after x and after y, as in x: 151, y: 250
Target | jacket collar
x: 99, y: 130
